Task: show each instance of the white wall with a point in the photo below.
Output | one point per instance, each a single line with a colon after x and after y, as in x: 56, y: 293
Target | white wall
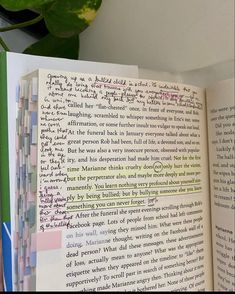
x: 163, y: 35
x: 167, y: 39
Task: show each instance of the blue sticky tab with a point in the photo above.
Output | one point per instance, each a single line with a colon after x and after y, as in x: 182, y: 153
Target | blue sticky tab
x: 33, y: 259
x: 7, y: 262
x: 27, y: 271
x: 23, y: 171
x: 34, y: 118
x: 34, y: 97
x: 17, y: 93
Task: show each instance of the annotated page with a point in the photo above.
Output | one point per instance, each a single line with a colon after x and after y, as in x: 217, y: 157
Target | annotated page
x: 122, y: 185
x: 221, y: 133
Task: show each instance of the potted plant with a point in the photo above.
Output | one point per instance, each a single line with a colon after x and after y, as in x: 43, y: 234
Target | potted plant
x: 64, y: 20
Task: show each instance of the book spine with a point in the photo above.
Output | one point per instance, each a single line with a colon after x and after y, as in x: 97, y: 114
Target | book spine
x: 4, y: 177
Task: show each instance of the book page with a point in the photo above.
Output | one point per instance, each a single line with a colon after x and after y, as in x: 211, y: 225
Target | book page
x: 221, y: 125
x: 122, y: 185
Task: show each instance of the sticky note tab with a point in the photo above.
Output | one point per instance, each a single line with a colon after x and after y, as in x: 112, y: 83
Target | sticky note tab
x: 21, y: 269
x: 25, y: 106
x: 34, y: 97
x: 17, y: 93
x: 33, y: 245
x: 21, y: 228
x: 34, y: 118
x: 27, y: 271
x: 31, y: 213
x: 33, y: 259
x: 34, y: 181
x: 31, y: 196
x: 29, y: 167
x: 33, y: 155
x: 26, y: 283
x: 34, y: 86
x: 34, y: 135
x: 20, y: 142
x: 33, y: 106
x: 32, y: 285
x: 15, y: 267
x: 26, y: 118
x: 23, y: 85
x: 17, y: 143
x: 26, y: 232
x: 15, y: 240
x: 26, y: 145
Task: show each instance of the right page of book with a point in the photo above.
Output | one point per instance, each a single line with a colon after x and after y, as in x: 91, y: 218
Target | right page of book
x: 220, y: 108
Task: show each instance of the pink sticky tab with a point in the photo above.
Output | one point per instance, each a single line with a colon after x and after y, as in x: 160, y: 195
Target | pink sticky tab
x: 31, y: 196
x: 33, y: 155
x: 28, y: 252
x: 21, y: 266
x: 20, y: 104
x: 17, y: 143
x: 15, y: 240
x: 26, y: 283
x: 26, y: 231
x: 49, y: 240
x: 17, y: 194
x: 33, y: 106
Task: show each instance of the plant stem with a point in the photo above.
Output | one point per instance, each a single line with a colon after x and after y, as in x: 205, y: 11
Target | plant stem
x: 3, y: 44
x: 22, y: 25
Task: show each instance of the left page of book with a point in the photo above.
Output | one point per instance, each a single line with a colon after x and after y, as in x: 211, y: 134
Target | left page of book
x: 122, y: 199
x: 13, y: 67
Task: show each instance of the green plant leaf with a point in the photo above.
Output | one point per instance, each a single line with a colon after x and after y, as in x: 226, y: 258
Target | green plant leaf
x: 67, y: 18
x: 56, y: 47
x: 15, y: 5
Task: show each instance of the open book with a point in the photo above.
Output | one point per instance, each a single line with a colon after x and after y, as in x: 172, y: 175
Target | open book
x: 121, y: 184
